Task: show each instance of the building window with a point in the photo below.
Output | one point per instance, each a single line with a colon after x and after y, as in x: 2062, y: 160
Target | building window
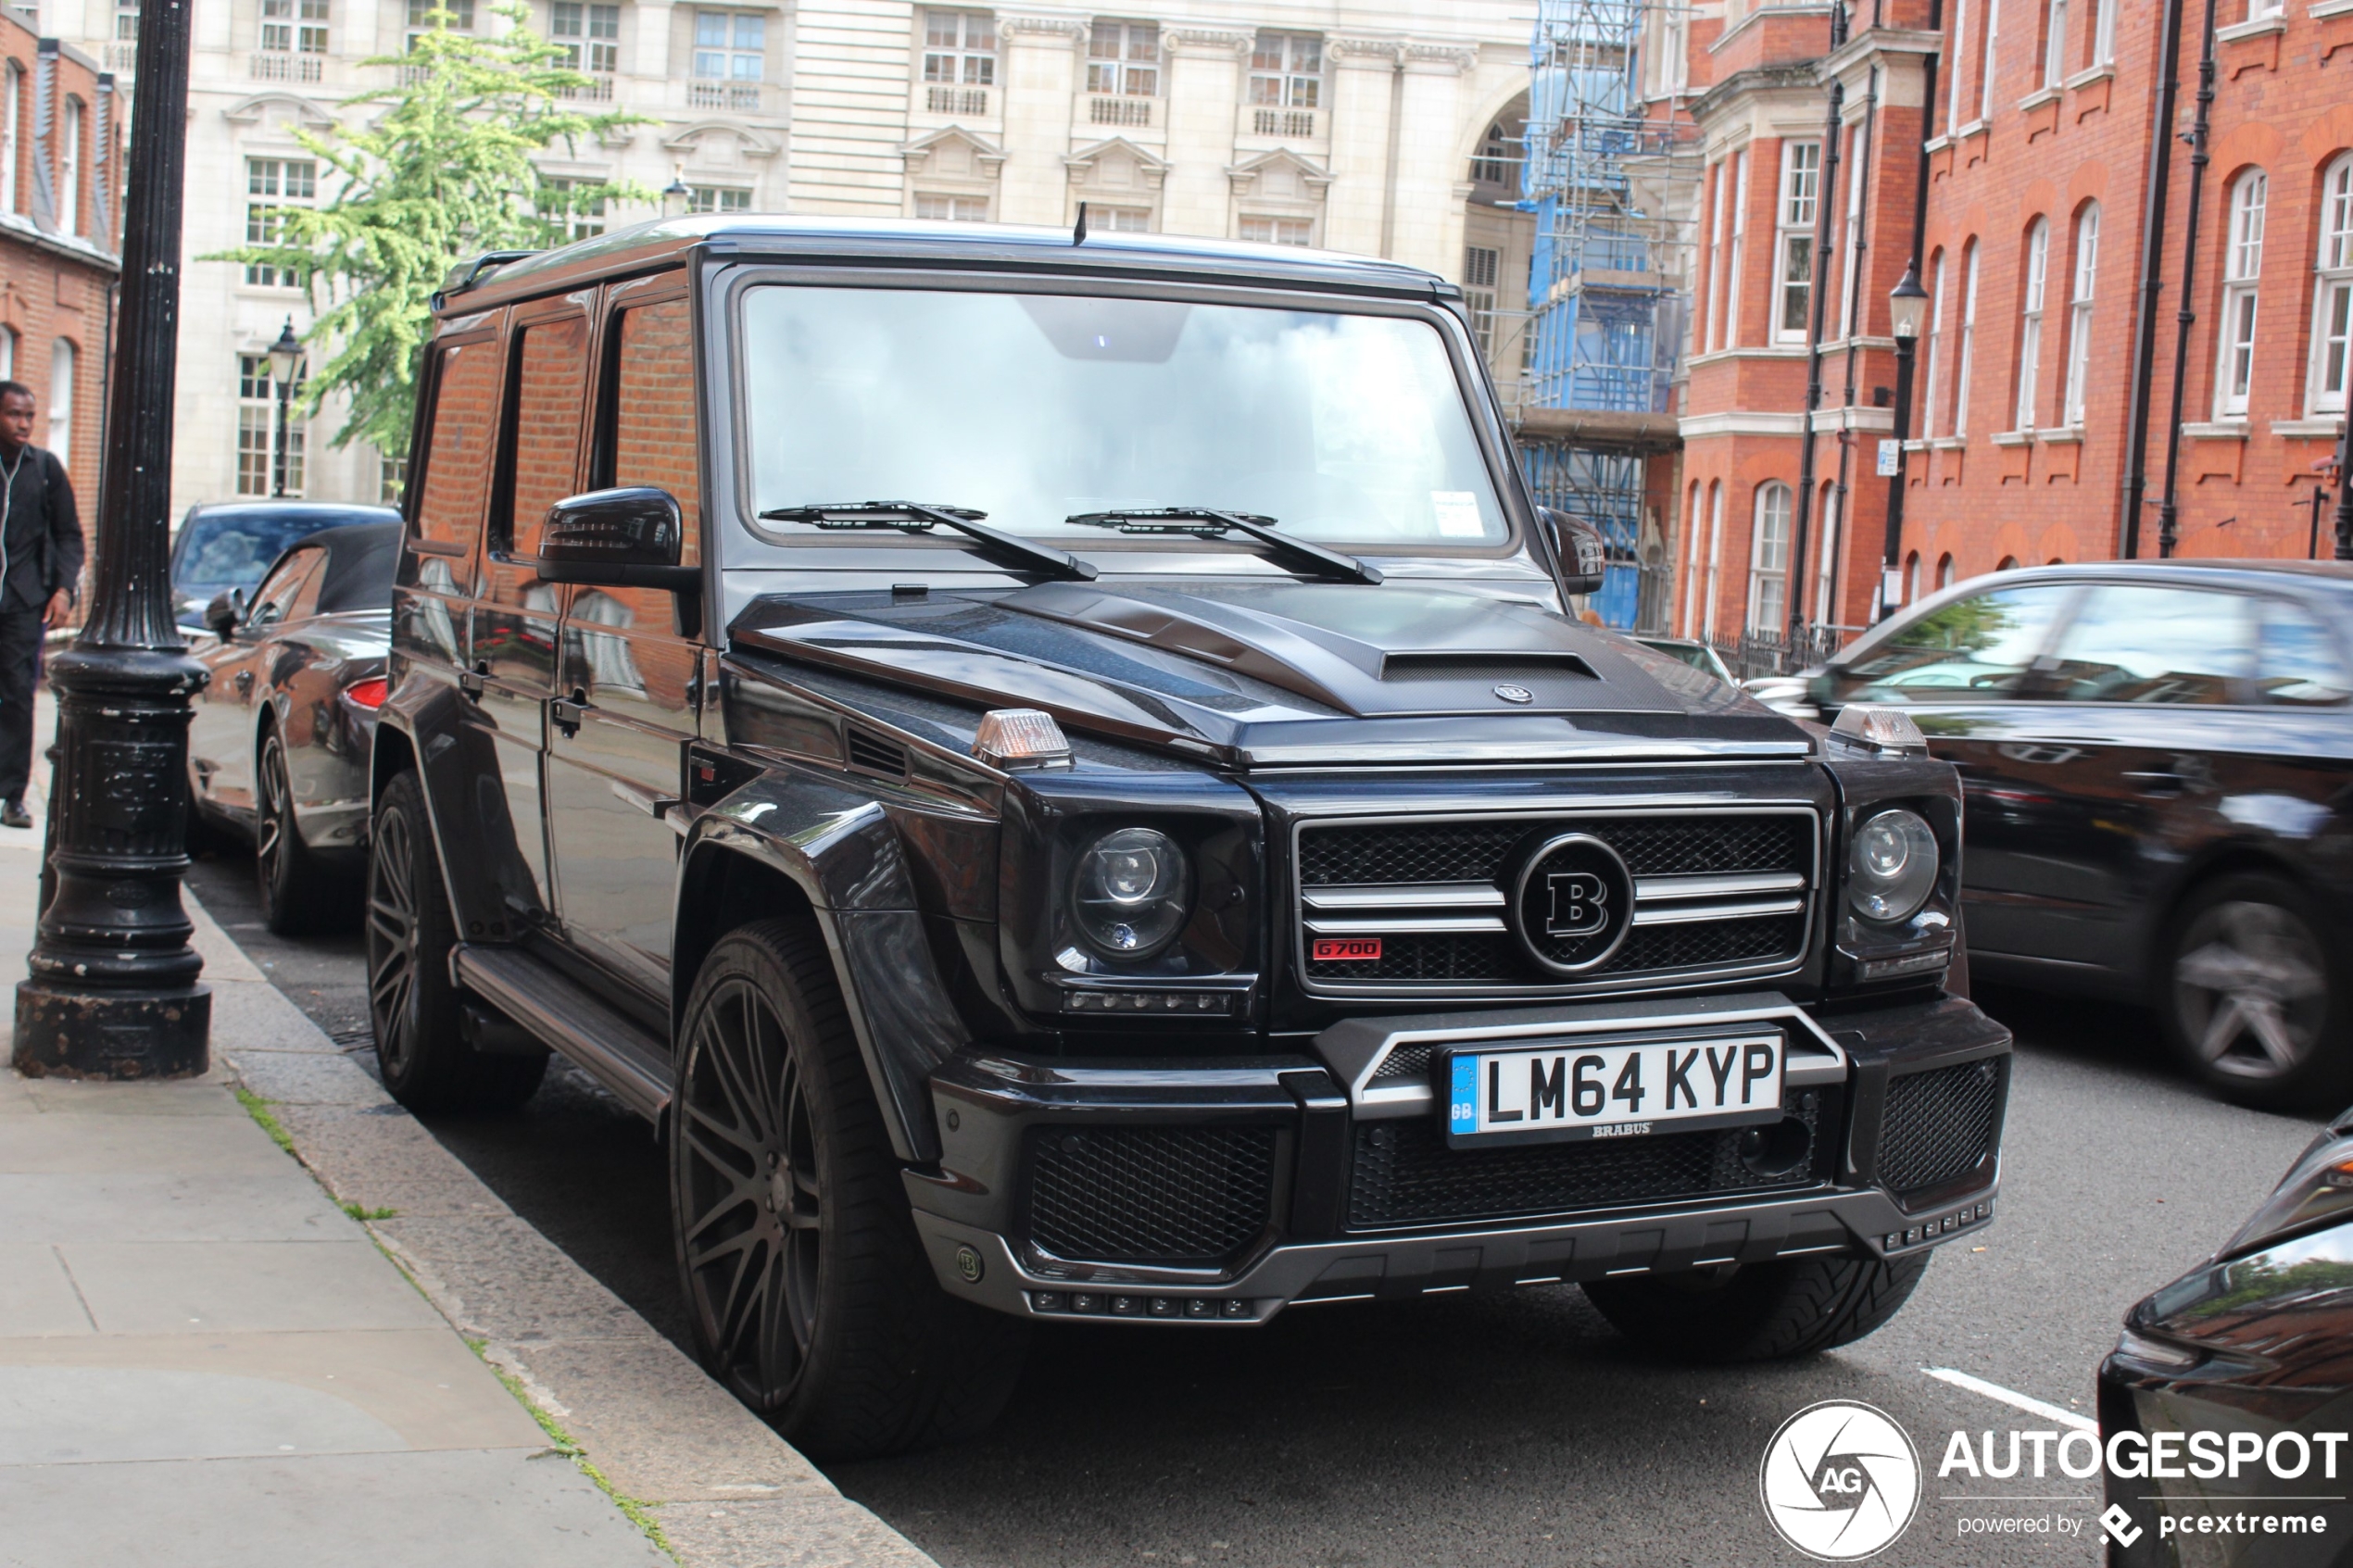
x: 1794, y: 220
x: 952, y: 209
x: 2030, y: 320
x: 1736, y: 277
x: 257, y: 427
x: 1498, y: 156
x: 1715, y: 551
x: 8, y: 353
x: 1277, y: 230
x: 293, y: 27
x: 1769, y: 560
x: 1286, y: 84
x: 2055, y: 43
x: 731, y: 56
x: 1123, y: 59
x: 1714, y: 301
x: 70, y: 167
x: 11, y: 116
x: 1848, y: 295
x: 1481, y: 264
x: 1675, y: 64
x: 61, y: 399
x: 1824, y: 589
x: 1935, y: 344
x: 2079, y: 314
x: 126, y: 22
x: 960, y: 61
x: 1986, y: 64
x: 2242, y: 269
x: 590, y: 38
x: 421, y: 16
x: 1944, y: 573
x: 717, y: 198
x: 1968, y: 340
x: 1691, y: 531
x: 573, y: 219
x: 1118, y: 219
x: 1955, y: 41
x: 2259, y: 9
x: 2104, y: 33
x: 2333, y: 292
x: 392, y: 477
x: 271, y: 184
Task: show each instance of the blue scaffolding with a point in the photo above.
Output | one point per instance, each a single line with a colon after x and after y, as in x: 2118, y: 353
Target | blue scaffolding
x: 1611, y: 185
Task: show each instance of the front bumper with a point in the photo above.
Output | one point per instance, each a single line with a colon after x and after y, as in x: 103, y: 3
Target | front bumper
x: 1333, y: 1188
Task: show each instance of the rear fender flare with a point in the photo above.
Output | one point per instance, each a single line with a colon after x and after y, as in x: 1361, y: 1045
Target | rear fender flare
x: 838, y: 846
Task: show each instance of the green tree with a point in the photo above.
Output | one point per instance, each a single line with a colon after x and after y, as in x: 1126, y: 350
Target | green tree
x: 443, y: 172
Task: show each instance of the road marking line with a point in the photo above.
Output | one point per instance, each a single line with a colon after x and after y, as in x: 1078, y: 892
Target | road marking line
x: 2010, y: 1397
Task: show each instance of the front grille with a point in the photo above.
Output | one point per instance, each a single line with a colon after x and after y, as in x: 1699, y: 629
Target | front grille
x: 1179, y: 1196
x: 1404, y: 1174
x: 1453, y: 881
x: 1939, y: 1125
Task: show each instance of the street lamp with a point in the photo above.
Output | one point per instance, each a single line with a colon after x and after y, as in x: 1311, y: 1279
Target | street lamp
x: 1907, y: 309
x: 113, y: 990
x: 286, y: 358
x: 676, y: 196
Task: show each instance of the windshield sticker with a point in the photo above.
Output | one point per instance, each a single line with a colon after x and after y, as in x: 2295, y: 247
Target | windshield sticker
x: 1457, y: 514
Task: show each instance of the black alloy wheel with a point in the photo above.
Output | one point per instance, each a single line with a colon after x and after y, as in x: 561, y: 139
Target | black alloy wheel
x: 2252, y: 996
x: 806, y: 1282
x: 290, y: 878
x: 412, y: 1004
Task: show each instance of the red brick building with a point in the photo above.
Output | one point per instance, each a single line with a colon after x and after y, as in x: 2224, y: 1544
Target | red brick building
x: 2033, y: 122
x: 62, y: 171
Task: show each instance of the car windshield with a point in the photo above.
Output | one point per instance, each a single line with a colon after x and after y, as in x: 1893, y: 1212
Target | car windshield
x: 221, y: 550
x: 1966, y: 650
x: 1032, y: 407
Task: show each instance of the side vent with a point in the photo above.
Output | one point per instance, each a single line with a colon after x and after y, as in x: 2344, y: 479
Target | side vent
x: 872, y: 754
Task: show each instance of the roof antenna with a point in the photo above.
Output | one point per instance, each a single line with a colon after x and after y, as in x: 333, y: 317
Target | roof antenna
x: 1079, y: 235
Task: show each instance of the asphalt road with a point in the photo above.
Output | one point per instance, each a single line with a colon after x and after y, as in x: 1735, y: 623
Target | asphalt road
x: 1510, y: 1429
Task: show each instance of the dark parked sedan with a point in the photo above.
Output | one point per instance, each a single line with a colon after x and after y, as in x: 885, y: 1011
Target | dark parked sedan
x: 2156, y: 759
x: 2224, y: 1408
x: 279, y: 747
x: 226, y: 545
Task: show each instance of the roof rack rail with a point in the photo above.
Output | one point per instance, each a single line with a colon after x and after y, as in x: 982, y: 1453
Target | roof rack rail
x: 466, y: 275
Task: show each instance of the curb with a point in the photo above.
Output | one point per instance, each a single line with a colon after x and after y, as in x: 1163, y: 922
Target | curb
x: 725, y: 1490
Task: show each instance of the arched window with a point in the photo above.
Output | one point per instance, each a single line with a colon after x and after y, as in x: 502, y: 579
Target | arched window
x: 1823, y: 608
x: 2007, y: 564
x: 2242, y: 270
x: 1715, y: 551
x: 7, y: 354
x: 1693, y: 523
x: 2079, y: 313
x: 1498, y: 159
x: 11, y: 116
x: 2029, y: 320
x: 1912, y: 577
x: 2333, y: 292
x: 1935, y: 343
x: 61, y: 399
x: 1968, y: 339
x: 1944, y: 573
x: 1769, y: 560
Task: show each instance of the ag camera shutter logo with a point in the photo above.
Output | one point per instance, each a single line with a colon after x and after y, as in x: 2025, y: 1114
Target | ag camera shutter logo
x: 1839, y: 1481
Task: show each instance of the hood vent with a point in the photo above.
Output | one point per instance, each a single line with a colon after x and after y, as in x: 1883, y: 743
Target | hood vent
x: 872, y: 754
x: 1470, y: 665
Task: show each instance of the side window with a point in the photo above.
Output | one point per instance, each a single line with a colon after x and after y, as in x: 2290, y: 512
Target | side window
x: 2301, y: 665
x: 552, y: 386
x: 2181, y: 646
x: 653, y: 420
x: 457, y: 453
x: 275, y: 599
x: 1969, y: 650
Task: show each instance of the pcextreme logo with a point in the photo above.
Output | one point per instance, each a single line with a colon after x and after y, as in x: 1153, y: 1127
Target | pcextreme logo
x: 1839, y: 1481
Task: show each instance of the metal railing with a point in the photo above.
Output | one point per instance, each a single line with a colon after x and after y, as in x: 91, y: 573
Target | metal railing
x: 1752, y: 654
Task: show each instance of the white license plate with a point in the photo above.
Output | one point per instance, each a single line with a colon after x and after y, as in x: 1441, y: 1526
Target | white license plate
x: 1557, y: 1092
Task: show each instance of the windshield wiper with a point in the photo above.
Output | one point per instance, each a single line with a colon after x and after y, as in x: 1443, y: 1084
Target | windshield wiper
x: 916, y: 517
x: 1208, y: 522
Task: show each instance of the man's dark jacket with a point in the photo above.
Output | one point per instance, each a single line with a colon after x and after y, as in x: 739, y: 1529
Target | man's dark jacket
x: 41, y: 537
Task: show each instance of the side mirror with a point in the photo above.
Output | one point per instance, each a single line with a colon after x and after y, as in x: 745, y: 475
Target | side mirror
x: 1578, y: 548
x: 627, y: 538
x: 224, y: 612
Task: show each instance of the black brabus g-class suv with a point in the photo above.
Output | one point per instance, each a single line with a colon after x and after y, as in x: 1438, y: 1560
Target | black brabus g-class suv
x: 1057, y: 772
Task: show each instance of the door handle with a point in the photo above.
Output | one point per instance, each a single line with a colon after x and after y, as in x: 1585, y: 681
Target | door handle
x: 470, y: 680
x: 566, y: 713
x: 2159, y: 781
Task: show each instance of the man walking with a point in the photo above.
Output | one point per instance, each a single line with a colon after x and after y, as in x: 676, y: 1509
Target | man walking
x: 40, y: 577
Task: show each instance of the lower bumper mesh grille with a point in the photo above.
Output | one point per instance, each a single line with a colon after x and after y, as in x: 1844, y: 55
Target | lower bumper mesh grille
x: 1939, y: 1125
x: 1404, y: 1174
x: 1187, y: 1196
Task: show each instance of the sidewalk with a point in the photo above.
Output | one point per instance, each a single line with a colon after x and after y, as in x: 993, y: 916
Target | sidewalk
x: 210, y: 1357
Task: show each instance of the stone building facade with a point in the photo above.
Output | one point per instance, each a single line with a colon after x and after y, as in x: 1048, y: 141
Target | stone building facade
x: 1357, y: 127
x: 60, y: 236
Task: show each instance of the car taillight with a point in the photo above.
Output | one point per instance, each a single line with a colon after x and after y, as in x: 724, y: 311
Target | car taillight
x: 368, y: 694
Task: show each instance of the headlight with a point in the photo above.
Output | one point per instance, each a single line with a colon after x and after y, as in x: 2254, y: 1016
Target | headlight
x: 1129, y: 894
x: 1892, y: 868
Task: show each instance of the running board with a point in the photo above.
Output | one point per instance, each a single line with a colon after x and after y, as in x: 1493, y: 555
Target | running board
x: 607, y: 1045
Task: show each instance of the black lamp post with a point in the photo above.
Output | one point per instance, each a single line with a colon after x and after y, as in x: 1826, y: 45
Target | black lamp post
x: 676, y: 197
x: 2344, y: 488
x: 286, y: 358
x: 1906, y: 309
x: 114, y: 992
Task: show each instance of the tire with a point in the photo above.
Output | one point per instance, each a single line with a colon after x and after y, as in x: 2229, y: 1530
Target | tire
x: 297, y: 893
x: 1758, y: 1311
x: 2254, y: 995
x: 427, y: 1064
x: 807, y: 1285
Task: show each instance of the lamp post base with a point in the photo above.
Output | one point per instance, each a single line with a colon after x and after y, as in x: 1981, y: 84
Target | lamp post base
x: 64, y: 1034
